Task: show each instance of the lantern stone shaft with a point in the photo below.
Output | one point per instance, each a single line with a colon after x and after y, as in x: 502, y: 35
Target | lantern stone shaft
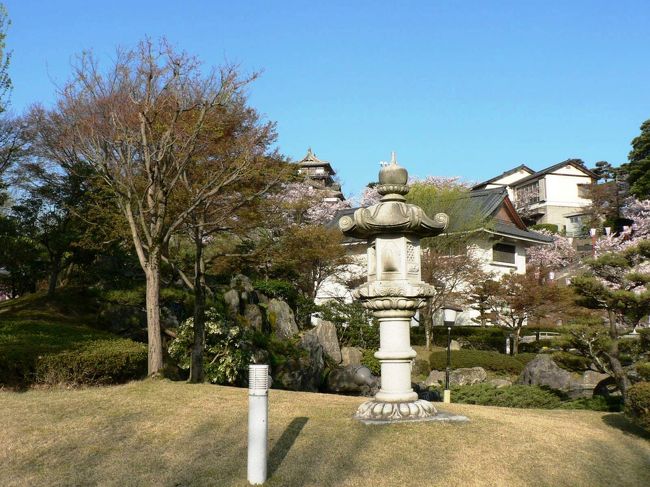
x: 394, y: 290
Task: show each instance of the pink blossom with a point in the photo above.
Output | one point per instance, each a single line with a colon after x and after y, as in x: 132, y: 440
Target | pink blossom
x: 556, y: 256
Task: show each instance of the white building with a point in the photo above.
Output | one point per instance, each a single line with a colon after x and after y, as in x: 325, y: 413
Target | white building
x: 555, y: 195
x: 500, y: 244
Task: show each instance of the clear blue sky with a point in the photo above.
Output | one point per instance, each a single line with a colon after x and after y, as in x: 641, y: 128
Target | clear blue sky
x: 456, y: 88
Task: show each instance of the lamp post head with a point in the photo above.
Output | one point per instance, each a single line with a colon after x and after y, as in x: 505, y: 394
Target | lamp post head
x: 449, y: 314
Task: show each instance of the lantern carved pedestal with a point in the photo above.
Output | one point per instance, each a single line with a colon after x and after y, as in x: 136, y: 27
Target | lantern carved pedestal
x: 394, y: 290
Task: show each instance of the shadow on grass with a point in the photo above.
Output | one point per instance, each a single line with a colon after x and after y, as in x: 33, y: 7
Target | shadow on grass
x: 285, y: 442
x: 620, y: 422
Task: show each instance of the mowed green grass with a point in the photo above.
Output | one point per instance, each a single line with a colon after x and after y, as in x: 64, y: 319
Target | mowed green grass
x: 174, y: 434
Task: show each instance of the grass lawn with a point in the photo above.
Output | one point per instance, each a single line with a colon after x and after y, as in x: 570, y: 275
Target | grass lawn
x: 174, y: 434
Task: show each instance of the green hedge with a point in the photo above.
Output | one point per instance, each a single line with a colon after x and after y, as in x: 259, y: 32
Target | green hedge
x: 517, y: 396
x: 99, y: 362
x: 638, y: 404
x: 476, y: 358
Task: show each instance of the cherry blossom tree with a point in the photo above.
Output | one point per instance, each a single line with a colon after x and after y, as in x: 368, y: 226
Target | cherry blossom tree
x: 300, y: 203
x: 559, y: 255
x: 638, y: 211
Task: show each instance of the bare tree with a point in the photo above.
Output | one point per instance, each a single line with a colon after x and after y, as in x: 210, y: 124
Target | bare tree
x: 142, y: 125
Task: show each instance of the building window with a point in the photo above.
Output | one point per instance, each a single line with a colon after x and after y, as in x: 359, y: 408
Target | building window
x: 503, y: 253
x: 528, y: 195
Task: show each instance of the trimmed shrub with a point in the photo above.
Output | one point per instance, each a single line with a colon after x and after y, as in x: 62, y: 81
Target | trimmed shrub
x: 369, y: 360
x: 571, y: 361
x: 525, y: 357
x: 494, y: 361
x: 517, y: 396
x: 643, y: 369
x: 100, y: 362
x: 476, y: 338
x: 277, y: 288
x: 596, y: 403
x: 638, y: 404
x: 644, y: 339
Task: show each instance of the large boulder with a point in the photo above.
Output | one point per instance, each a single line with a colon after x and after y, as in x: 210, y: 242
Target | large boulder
x: 326, y: 334
x: 467, y: 376
x: 281, y: 318
x: 351, y: 356
x: 353, y: 379
x: 304, y: 373
x: 241, y: 283
x: 500, y: 383
x: 457, y: 377
x: 454, y: 346
x: 542, y: 371
x: 435, y: 378
x: 231, y: 299
x: 253, y: 316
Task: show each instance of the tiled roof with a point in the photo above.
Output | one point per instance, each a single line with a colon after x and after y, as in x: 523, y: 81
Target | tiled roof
x: 555, y: 167
x: 520, y: 167
x: 482, y: 203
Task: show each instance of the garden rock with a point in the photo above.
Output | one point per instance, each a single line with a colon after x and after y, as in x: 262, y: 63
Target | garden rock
x: 241, y: 283
x: 304, y: 373
x: 353, y: 379
x: 542, y: 371
x: 500, y: 383
x: 351, y: 356
x: 435, y: 378
x: 254, y: 316
x: 454, y: 345
x: 326, y: 333
x: 281, y: 318
x: 457, y: 377
x: 231, y: 299
x: 467, y: 376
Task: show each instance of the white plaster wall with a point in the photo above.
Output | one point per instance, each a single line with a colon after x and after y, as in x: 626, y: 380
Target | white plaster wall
x: 563, y: 190
x: 334, y: 286
x: 508, y: 180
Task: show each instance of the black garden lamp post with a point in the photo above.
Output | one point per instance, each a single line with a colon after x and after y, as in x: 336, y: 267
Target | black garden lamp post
x: 449, y: 314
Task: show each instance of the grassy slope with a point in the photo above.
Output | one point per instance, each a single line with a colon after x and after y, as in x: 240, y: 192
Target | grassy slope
x: 37, y: 325
x: 174, y: 434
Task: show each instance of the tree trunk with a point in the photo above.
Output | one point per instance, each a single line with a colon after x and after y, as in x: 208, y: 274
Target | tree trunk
x: 515, y: 340
x: 152, y: 272
x: 622, y: 381
x: 196, y: 365
x: 427, y: 322
x: 54, y: 277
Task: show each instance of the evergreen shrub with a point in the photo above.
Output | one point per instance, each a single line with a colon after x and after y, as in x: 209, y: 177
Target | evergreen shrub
x: 516, y: 396
x: 369, y: 360
x: 571, y: 361
x: 100, y: 362
x: 638, y: 404
x: 277, y: 288
x: 643, y: 369
x: 494, y: 361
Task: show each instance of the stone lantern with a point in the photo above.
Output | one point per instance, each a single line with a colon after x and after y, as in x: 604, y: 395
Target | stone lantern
x: 394, y: 290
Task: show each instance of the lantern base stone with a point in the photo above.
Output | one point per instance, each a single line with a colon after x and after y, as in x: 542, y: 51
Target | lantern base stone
x: 374, y: 410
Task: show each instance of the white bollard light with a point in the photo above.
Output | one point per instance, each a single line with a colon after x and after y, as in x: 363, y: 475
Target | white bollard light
x: 258, y: 422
